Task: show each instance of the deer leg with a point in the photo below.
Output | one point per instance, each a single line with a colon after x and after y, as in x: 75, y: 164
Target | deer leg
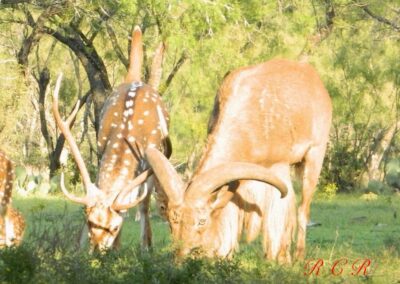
x: 144, y: 208
x: 312, y: 165
x: 280, y: 220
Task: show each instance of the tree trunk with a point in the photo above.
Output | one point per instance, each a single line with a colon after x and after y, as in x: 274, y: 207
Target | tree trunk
x: 380, y: 148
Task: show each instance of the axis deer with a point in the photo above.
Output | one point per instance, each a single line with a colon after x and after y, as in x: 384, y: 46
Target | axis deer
x: 266, y: 118
x: 133, y: 118
x: 12, y: 224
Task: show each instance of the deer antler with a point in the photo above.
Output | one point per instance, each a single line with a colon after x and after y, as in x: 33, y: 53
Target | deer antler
x: 156, y: 67
x: 119, y: 205
x: 166, y: 175
x: 135, y: 57
x: 212, y: 180
x: 64, y: 127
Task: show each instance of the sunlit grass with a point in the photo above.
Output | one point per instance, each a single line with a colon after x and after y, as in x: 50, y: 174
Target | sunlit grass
x: 351, y: 230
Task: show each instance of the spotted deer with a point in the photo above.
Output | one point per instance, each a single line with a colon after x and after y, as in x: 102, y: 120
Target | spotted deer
x: 133, y: 118
x: 266, y: 118
x: 12, y: 224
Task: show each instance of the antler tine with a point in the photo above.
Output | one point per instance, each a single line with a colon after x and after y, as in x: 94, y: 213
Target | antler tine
x: 64, y: 127
x: 156, y: 67
x: 136, y: 182
x: 69, y: 195
x: 73, y: 114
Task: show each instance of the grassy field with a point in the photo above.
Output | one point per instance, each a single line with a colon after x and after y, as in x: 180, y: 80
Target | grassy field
x: 353, y: 233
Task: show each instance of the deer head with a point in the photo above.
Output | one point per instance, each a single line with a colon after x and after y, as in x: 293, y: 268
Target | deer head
x: 191, y: 206
x: 133, y: 117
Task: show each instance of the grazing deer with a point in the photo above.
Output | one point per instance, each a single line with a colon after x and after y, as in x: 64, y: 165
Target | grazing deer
x: 12, y: 224
x: 266, y: 118
x: 133, y: 118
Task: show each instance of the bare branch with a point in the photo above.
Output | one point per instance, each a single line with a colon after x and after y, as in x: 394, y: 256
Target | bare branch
x: 116, y: 46
x: 380, y: 18
x: 174, y: 71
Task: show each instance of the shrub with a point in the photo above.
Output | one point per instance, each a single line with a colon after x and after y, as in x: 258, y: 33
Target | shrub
x: 329, y: 191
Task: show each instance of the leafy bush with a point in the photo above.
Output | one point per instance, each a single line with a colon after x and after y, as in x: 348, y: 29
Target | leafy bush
x: 392, y: 177
x: 329, y: 191
x: 378, y: 187
x: 26, y: 264
x: 17, y: 265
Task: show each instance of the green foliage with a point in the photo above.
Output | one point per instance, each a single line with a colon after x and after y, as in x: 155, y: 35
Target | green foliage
x: 392, y: 243
x: 393, y: 173
x: 329, y: 191
x: 17, y: 265
x: 378, y: 187
x: 357, y: 58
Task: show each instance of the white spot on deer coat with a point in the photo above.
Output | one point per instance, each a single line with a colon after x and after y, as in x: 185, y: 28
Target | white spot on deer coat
x: 129, y: 103
x: 146, y: 113
x: 113, y: 125
x: 10, y: 232
x: 131, y: 139
x: 140, y: 121
x: 116, y: 145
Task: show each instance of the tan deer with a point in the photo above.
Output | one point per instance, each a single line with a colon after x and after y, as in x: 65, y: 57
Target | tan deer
x: 133, y: 118
x: 266, y: 118
x: 12, y: 224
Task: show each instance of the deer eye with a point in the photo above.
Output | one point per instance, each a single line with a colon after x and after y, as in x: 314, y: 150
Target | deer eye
x: 202, y: 222
x: 114, y: 229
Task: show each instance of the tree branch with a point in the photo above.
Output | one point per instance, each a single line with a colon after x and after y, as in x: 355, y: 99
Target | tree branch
x: 380, y: 18
x: 174, y: 71
x: 36, y: 33
x: 116, y: 46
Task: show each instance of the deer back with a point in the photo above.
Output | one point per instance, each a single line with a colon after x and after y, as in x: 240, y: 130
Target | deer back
x: 268, y: 113
x: 131, y: 120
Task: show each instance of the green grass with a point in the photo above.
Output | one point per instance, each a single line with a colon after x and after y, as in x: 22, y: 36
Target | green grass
x: 351, y: 229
